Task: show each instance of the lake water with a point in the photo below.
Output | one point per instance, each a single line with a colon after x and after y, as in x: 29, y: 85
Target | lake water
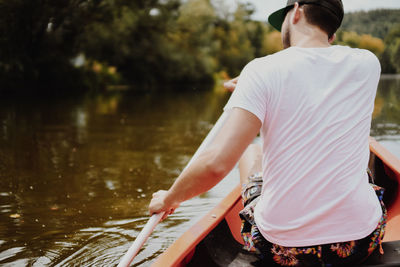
x: 76, y: 175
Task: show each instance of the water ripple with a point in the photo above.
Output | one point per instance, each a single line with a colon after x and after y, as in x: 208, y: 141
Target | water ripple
x: 10, y: 253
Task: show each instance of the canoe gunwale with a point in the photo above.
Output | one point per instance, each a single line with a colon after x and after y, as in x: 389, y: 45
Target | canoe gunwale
x: 390, y: 160
x: 391, y: 169
x: 183, y: 248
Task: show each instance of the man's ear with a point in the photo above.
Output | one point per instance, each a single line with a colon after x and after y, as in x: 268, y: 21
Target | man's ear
x: 332, y: 38
x: 295, y: 16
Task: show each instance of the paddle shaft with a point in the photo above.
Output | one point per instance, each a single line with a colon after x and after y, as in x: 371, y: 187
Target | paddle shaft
x: 155, y: 218
x: 140, y: 240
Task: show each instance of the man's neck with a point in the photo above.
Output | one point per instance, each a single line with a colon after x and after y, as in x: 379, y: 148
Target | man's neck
x: 310, y: 37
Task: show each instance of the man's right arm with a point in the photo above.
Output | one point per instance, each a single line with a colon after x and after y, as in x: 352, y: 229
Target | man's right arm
x: 239, y: 130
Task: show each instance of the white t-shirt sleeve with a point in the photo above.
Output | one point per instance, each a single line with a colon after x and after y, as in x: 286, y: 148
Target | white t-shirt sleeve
x: 251, y: 92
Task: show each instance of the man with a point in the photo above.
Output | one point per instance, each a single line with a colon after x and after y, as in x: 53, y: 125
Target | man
x: 312, y: 103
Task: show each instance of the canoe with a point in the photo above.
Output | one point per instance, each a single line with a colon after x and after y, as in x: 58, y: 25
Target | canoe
x: 215, y: 239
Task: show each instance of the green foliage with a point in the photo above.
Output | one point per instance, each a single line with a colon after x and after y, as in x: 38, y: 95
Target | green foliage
x: 377, y: 23
x: 233, y: 41
x: 364, y: 29
x: 149, y: 42
x: 131, y: 38
x: 392, y: 41
x: 364, y: 41
x: 145, y: 42
x: 38, y: 39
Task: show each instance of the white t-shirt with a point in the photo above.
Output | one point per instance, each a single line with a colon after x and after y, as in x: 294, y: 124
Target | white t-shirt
x: 315, y: 105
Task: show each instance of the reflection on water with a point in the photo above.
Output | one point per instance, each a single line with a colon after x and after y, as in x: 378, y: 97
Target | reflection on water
x: 386, y: 119
x: 76, y: 175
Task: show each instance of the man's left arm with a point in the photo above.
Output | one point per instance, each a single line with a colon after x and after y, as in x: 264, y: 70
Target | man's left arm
x: 213, y: 164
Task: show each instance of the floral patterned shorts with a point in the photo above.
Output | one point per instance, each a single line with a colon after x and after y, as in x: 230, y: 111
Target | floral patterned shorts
x: 345, y: 253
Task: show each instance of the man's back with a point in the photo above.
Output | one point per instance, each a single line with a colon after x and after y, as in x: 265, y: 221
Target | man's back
x: 313, y: 104
x: 316, y: 106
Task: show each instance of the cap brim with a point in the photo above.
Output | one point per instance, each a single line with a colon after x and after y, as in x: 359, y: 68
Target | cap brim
x: 276, y: 19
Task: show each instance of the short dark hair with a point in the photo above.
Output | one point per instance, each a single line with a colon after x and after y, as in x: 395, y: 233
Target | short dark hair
x: 322, y: 17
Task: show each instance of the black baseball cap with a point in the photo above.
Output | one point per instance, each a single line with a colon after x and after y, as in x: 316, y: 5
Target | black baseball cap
x: 334, y: 6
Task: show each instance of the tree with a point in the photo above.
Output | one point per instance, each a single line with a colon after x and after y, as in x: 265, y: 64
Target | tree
x: 38, y: 39
x: 393, y: 46
x: 272, y: 42
x: 148, y: 42
x: 378, y: 22
x: 364, y: 41
x: 238, y: 40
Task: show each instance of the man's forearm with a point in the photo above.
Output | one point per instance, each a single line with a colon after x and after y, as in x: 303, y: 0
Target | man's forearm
x: 203, y: 174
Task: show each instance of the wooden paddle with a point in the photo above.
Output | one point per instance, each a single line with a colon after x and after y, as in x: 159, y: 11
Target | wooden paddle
x: 155, y: 218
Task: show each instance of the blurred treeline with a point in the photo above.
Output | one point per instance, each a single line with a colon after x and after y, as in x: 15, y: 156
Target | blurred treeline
x: 141, y: 43
x: 376, y: 30
x: 91, y: 44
